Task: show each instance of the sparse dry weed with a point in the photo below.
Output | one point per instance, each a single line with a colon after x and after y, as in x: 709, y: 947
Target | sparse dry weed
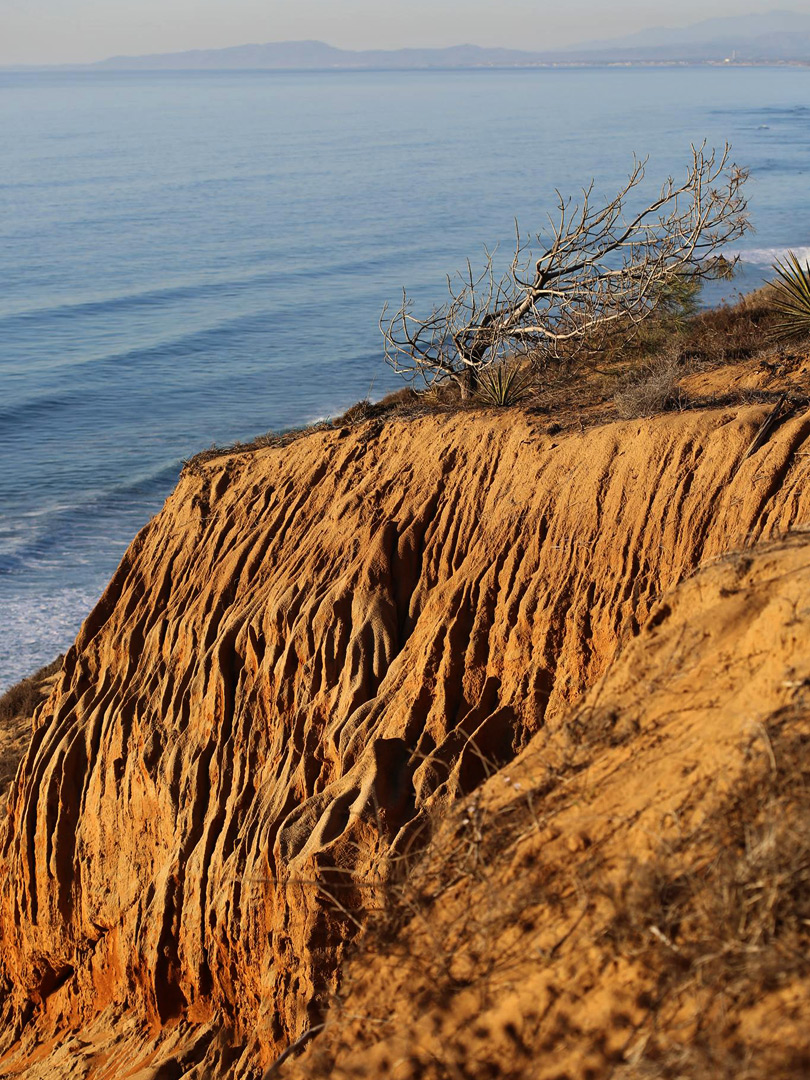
x: 23, y: 698
x: 725, y: 919
x: 713, y: 928
x: 652, y: 388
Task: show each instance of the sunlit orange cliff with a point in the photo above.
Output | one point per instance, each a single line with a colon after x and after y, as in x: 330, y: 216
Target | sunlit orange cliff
x: 437, y: 746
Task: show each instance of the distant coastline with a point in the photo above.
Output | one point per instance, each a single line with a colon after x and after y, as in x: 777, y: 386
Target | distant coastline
x: 570, y: 65
x: 768, y: 39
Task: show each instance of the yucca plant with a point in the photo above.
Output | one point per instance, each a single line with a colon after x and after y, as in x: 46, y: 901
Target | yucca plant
x: 504, y: 384
x: 791, y: 298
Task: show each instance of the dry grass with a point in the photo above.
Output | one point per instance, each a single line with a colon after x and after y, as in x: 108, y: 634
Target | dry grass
x: 22, y: 699
x: 715, y: 927
x: 742, y: 919
x: 651, y: 389
x: 401, y: 404
x: 17, y: 706
x: 474, y: 956
x: 733, y: 927
x: 444, y: 962
x: 705, y: 1060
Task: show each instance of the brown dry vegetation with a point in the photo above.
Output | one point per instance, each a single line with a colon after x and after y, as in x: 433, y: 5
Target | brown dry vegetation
x: 643, y: 377
x: 17, y: 707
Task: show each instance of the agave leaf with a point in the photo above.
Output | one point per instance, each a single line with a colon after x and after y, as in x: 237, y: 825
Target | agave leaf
x: 791, y: 298
x: 503, y: 385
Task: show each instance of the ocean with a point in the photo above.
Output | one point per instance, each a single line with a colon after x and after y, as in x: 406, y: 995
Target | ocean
x: 198, y: 258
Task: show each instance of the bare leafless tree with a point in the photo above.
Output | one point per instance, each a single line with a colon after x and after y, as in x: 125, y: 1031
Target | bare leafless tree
x: 602, y: 270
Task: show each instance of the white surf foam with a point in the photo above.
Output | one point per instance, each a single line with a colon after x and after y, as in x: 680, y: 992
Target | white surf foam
x: 768, y: 256
x: 37, y: 628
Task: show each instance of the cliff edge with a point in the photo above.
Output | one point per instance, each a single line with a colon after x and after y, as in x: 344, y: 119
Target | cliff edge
x: 312, y: 655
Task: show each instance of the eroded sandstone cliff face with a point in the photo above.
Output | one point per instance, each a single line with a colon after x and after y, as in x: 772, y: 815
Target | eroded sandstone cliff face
x: 304, y: 652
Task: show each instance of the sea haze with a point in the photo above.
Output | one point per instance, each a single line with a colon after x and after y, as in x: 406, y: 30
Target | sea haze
x: 200, y: 257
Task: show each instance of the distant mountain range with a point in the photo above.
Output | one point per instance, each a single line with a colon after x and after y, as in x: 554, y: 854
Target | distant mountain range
x: 776, y: 35
x: 317, y: 55
x: 781, y: 36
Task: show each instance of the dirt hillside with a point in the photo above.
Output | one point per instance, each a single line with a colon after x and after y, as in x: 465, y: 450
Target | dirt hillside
x: 631, y: 898
x: 313, y: 653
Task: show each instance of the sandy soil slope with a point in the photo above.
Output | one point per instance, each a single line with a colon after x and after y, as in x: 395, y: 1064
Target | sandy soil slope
x: 631, y: 897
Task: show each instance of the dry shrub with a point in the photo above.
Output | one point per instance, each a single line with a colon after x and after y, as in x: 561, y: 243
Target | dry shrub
x: 653, y: 388
x: 23, y: 698
x: 579, y: 389
x: 399, y: 403
x: 721, y: 335
x: 731, y: 331
x: 17, y: 706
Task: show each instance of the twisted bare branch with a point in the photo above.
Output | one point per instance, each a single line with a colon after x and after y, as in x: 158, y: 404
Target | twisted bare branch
x: 601, y: 271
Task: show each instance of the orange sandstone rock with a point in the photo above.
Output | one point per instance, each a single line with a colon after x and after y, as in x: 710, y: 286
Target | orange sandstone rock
x: 303, y: 654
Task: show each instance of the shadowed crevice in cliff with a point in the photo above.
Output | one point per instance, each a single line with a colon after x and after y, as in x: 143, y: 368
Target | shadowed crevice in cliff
x: 304, y: 654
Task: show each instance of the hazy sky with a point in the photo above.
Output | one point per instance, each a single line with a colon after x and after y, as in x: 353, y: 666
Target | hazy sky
x: 54, y: 31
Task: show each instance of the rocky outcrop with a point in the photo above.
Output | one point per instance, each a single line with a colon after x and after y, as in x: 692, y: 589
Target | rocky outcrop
x: 303, y: 655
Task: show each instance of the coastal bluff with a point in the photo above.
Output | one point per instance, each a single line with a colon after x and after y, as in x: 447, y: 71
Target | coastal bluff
x: 306, y: 667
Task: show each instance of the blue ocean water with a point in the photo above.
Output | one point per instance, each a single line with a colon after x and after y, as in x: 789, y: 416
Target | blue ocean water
x: 190, y: 258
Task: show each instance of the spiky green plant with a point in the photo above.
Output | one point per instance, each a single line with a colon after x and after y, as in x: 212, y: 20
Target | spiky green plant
x: 504, y: 384
x: 791, y: 298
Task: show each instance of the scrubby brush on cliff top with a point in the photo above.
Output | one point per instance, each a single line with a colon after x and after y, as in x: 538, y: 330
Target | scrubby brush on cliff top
x: 731, y: 341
